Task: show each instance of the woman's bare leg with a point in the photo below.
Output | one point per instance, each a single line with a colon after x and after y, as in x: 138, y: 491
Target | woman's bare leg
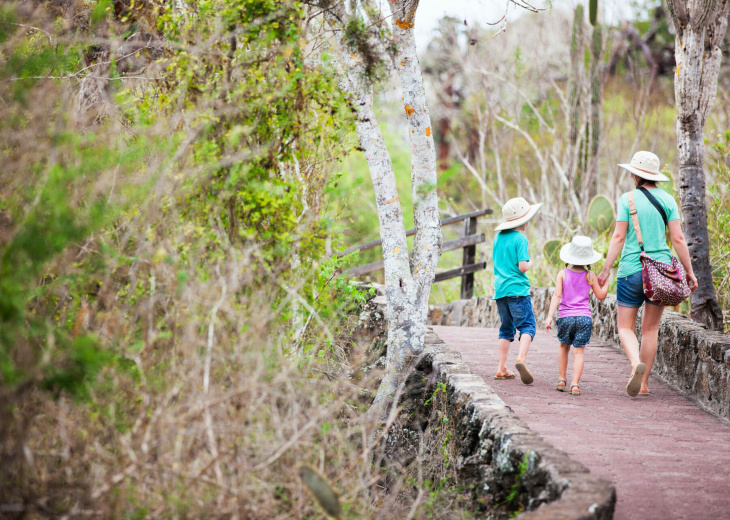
x: 627, y: 334
x: 649, y: 339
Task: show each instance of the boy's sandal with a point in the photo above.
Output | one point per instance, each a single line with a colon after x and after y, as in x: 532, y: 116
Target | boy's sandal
x: 574, y: 389
x: 563, y: 387
x: 525, y: 374
x: 508, y: 375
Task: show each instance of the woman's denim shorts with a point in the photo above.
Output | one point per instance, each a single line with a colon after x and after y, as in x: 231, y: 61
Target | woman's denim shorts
x: 630, y: 291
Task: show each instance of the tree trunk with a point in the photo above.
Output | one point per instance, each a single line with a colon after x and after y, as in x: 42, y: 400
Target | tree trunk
x: 700, y: 28
x: 408, y: 280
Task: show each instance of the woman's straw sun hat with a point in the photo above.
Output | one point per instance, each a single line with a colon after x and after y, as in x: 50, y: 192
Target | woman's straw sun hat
x: 579, y: 252
x: 646, y: 166
x: 517, y: 212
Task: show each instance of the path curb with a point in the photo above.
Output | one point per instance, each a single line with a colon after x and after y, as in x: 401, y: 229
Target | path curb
x: 493, y: 444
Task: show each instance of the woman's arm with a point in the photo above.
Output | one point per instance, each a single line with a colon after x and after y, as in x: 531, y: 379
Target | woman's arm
x: 680, y: 246
x: 614, y: 248
x: 598, y: 290
x: 557, y: 295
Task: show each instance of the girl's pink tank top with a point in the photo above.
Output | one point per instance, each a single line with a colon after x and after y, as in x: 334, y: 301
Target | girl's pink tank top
x: 576, y: 295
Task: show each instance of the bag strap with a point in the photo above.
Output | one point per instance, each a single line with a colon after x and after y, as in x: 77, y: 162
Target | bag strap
x: 656, y: 204
x: 635, y: 220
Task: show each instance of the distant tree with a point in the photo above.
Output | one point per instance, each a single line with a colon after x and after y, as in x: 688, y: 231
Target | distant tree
x: 700, y: 27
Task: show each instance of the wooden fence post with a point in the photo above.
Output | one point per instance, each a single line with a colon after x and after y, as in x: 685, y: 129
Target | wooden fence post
x: 470, y: 256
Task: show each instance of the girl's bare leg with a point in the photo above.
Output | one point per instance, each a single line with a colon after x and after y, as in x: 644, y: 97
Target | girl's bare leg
x: 577, y: 364
x: 563, y: 361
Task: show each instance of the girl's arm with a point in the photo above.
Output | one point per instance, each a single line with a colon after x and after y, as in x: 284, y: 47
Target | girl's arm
x: 555, y: 301
x: 598, y: 290
x: 680, y: 246
x: 617, y: 244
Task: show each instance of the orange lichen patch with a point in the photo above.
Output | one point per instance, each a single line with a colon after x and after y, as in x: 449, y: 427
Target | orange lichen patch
x: 428, y: 131
x: 409, y: 110
x: 676, y: 71
x: 396, y: 250
x: 409, y: 20
x: 391, y: 201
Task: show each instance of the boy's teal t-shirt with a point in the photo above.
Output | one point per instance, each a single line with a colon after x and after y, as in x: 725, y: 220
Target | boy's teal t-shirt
x: 652, y: 229
x: 509, y: 249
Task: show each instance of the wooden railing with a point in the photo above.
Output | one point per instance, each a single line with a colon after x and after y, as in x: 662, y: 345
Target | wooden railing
x: 468, y: 243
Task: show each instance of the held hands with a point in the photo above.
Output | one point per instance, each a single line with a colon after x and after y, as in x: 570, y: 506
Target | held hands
x: 603, y: 278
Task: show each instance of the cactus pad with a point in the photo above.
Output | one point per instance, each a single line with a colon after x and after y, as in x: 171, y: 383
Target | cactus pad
x: 601, y: 214
x: 551, y: 251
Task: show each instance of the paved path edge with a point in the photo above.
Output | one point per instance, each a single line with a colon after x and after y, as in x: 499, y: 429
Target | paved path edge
x: 500, y: 455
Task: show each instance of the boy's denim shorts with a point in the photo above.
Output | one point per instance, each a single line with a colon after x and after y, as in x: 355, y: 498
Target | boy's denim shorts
x: 630, y: 291
x: 516, y: 314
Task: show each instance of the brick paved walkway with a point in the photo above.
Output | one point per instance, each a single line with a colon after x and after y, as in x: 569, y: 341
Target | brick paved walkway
x: 667, y: 457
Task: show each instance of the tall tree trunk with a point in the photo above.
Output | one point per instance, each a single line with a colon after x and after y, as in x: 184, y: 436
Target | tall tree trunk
x: 408, y: 280
x: 700, y: 27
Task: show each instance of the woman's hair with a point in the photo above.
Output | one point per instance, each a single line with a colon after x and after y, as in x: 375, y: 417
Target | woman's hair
x: 640, y: 181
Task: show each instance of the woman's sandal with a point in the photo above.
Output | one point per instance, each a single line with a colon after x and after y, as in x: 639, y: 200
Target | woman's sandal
x: 574, y: 389
x: 634, y: 384
x: 508, y: 375
x: 563, y: 387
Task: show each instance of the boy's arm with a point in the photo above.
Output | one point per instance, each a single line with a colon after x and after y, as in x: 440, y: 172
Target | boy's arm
x: 599, y: 291
x: 557, y: 296
x: 523, y: 255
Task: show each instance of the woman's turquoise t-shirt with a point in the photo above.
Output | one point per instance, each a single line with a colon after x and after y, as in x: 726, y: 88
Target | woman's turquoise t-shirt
x: 652, y: 229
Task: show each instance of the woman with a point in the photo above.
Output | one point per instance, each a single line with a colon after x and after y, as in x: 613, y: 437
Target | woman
x: 644, y: 169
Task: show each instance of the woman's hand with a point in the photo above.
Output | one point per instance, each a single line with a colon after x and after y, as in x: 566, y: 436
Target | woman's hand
x: 692, y: 281
x: 603, y: 277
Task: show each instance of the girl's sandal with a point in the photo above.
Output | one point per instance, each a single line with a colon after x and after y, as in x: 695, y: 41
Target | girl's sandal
x: 563, y: 387
x: 574, y: 389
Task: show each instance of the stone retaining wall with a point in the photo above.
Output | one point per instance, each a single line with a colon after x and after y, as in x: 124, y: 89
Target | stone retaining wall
x: 696, y: 361
x: 506, y: 463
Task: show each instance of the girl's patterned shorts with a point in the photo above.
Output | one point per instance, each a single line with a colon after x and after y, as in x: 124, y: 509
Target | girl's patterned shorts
x: 574, y: 330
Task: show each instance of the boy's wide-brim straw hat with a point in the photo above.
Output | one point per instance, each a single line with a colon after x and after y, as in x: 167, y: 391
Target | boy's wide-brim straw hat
x: 646, y: 166
x: 579, y: 252
x: 517, y: 212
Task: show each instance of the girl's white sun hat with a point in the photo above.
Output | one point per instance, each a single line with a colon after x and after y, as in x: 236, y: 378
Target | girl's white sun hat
x: 517, y: 212
x: 646, y: 166
x: 579, y: 252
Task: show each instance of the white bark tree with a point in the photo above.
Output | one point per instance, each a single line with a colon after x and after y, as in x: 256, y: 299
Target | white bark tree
x: 700, y: 27
x: 408, y: 278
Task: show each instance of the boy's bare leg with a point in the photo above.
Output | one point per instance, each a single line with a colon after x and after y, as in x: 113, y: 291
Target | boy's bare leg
x: 503, y: 352
x: 525, y: 342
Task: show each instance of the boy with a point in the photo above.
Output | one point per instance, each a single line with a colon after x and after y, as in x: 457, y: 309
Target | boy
x: 511, y: 261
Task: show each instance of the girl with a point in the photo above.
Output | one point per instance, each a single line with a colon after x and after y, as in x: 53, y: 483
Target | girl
x: 572, y: 291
